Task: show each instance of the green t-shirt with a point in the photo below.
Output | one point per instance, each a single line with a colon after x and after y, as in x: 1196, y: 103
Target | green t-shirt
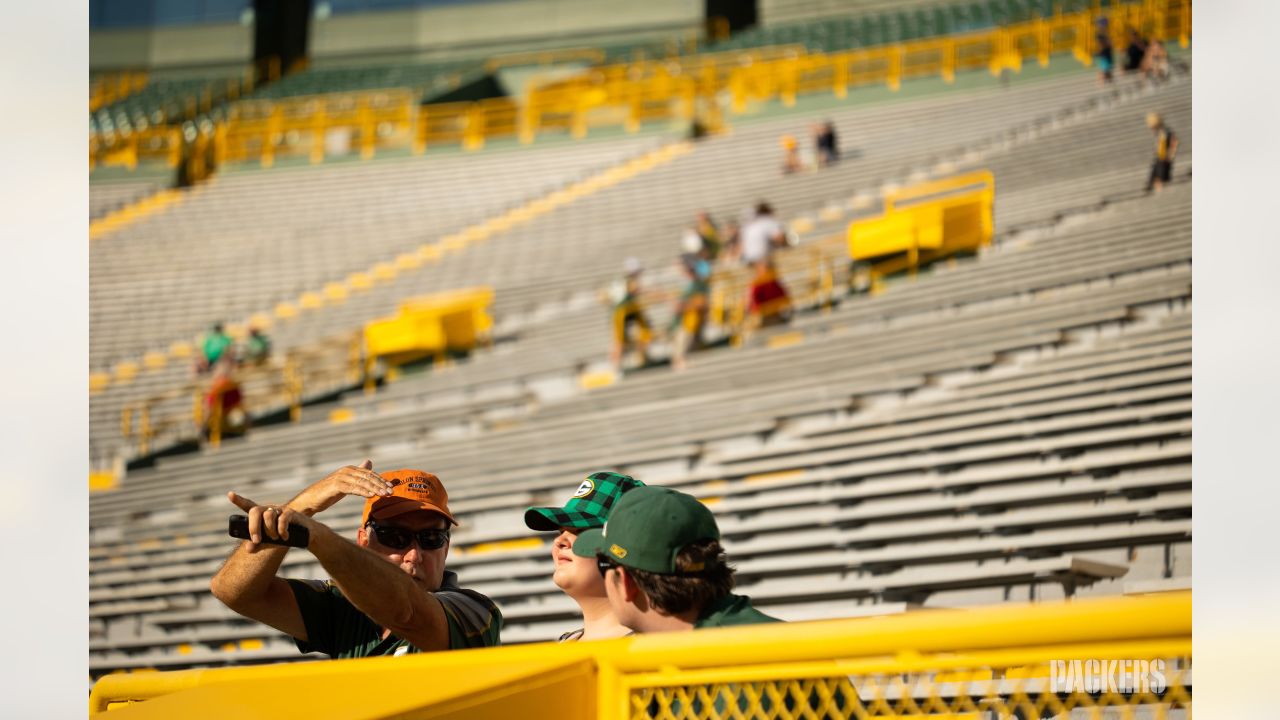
x: 214, y: 346
x: 732, y: 610
x: 338, y: 629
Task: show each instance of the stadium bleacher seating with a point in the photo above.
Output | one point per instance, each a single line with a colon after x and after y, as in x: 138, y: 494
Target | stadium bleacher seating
x: 107, y: 197
x: 888, y: 147
x: 165, y: 101
x: 1011, y: 426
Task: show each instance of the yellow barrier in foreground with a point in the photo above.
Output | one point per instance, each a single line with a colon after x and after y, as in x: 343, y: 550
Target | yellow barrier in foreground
x: 1035, y: 660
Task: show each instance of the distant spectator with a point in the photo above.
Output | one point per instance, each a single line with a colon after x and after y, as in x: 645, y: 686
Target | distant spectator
x: 1135, y: 52
x: 1104, y: 52
x: 1166, y: 149
x: 710, y: 234
x: 732, y: 237
x: 257, y: 348
x: 224, y: 402
x: 628, y: 314
x: 826, y: 144
x: 761, y: 235
x: 690, y: 316
x: 770, y: 302
x: 1156, y: 63
x: 791, y: 155
x: 215, y: 345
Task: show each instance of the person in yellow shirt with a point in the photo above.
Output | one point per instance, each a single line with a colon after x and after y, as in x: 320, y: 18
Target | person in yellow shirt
x: 1166, y: 149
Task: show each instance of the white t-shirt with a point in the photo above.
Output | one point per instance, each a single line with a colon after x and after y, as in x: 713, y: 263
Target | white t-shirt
x: 757, y: 236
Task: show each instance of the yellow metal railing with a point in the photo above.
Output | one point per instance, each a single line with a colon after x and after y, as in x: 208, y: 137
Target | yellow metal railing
x: 1114, y: 657
x: 678, y: 89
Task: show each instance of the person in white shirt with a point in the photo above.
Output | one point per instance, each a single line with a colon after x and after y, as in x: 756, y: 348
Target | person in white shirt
x: 761, y: 235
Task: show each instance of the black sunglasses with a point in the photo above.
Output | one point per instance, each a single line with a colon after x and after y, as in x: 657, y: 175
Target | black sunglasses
x: 604, y: 564
x: 398, y: 538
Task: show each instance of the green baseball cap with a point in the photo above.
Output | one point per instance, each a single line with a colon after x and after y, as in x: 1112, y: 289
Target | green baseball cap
x: 588, y: 508
x: 648, y: 528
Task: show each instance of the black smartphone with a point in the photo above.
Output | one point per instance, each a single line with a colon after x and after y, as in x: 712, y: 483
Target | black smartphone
x: 238, y: 527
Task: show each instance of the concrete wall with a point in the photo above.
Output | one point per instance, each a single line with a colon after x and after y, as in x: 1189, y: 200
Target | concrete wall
x: 195, y: 47
x: 782, y: 12
x: 452, y: 30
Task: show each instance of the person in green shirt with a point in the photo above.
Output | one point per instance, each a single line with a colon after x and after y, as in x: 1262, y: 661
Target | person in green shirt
x: 216, y: 344
x: 663, y: 565
x: 389, y: 592
x: 257, y: 347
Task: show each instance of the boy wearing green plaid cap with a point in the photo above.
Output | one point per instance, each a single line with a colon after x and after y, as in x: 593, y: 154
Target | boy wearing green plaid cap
x: 577, y: 577
x: 663, y: 566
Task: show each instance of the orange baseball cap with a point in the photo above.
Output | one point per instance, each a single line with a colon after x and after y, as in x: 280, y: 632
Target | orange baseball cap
x: 410, y: 490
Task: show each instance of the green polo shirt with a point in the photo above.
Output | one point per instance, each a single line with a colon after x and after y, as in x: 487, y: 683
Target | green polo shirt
x: 215, y: 346
x: 732, y: 610
x: 338, y: 629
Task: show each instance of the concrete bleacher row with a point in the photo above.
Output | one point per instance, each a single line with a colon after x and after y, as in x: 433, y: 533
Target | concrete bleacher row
x: 107, y: 197
x: 716, y: 374
x: 618, y: 400
x: 263, y: 238
x: 531, y: 267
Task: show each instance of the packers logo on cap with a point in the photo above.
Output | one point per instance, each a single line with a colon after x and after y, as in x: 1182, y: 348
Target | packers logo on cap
x: 585, y: 489
x: 620, y: 552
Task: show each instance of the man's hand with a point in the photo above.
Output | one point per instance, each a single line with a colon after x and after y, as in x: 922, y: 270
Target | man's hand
x: 358, y: 480
x: 270, y: 520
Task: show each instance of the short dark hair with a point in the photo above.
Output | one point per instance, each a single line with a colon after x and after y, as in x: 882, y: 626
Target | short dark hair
x: 703, y: 577
x: 763, y: 209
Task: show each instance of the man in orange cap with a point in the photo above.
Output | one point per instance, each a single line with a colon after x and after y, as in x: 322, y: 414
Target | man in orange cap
x: 389, y: 593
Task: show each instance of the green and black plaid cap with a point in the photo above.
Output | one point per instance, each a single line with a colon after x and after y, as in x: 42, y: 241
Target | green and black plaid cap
x: 588, y: 508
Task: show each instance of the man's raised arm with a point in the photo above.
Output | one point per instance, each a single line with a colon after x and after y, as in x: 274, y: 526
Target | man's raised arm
x: 247, y: 582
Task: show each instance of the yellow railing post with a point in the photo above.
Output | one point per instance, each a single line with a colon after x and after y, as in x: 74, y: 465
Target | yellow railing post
x: 949, y: 60
x: 840, y: 75
x: 144, y: 430
x: 473, y: 134
x: 1044, y: 41
x: 368, y: 129
x: 220, y: 144
x: 293, y: 388
x: 578, y: 126
x: 174, y: 139
x: 273, y: 126
x: 197, y: 410
x: 894, y: 79
x: 421, y: 117
x: 1184, y: 23
x: 317, y: 136
x: 789, y: 81
x: 215, y: 422
x: 738, y: 90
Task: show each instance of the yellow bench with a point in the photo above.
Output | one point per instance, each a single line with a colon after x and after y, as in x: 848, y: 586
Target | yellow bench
x: 456, y: 320
x: 926, y: 222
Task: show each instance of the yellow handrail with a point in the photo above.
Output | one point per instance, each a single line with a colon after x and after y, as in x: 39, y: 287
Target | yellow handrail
x: 630, y: 94
x: 996, y: 657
